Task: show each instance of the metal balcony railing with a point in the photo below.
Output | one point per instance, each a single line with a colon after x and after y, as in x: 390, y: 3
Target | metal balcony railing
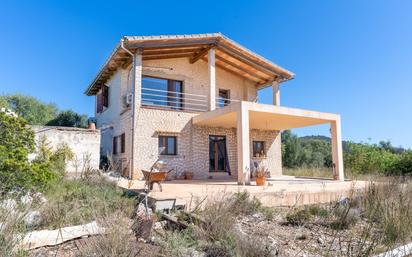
x: 172, y: 100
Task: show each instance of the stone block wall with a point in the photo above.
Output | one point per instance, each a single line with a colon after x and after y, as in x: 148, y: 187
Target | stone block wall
x: 82, y: 142
x: 193, y: 144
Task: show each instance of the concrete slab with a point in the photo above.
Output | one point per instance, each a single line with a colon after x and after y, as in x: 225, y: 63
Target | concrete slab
x: 279, y: 191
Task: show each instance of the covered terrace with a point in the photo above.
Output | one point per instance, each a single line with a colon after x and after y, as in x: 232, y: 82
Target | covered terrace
x: 245, y: 116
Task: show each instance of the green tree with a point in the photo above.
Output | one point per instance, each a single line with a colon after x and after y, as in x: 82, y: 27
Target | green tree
x: 69, y: 118
x: 33, y: 110
x: 366, y: 158
x: 16, y: 142
x: 292, y: 150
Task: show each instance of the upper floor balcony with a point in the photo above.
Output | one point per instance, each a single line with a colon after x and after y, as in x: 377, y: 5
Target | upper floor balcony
x: 159, y: 97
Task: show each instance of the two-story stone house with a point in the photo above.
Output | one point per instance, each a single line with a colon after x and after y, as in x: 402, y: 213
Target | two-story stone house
x: 191, y: 100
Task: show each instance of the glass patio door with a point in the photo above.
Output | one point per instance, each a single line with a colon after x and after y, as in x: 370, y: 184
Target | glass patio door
x: 217, y: 153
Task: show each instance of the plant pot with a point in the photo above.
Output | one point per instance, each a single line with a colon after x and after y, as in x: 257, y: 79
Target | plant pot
x: 260, y: 181
x: 188, y: 175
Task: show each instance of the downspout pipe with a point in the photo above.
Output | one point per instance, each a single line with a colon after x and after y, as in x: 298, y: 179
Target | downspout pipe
x: 131, y: 165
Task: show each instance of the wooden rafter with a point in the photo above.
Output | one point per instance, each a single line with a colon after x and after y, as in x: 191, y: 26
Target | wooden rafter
x: 243, y: 58
x: 199, y: 54
x: 236, y: 73
x: 238, y: 67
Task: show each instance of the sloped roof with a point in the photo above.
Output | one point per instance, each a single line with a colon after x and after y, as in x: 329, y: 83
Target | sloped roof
x: 230, y: 56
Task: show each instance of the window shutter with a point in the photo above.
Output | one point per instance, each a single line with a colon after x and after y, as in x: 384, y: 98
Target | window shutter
x: 114, y: 145
x: 123, y: 143
x: 105, y: 92
x: 99, y: 106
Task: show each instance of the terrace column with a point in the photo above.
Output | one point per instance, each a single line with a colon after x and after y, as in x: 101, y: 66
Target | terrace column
x: 276, y: 93
x: 136, y: 103
x: 243, y: 145
x: 212, y: 79
x: 337, y: 155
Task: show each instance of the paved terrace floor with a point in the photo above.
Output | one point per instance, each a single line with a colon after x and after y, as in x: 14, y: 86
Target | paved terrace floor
x: 280, y: 191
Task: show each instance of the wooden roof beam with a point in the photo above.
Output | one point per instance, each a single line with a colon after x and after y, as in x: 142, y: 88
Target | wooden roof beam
x: 233, y: 72
x: 163, y: 56
x: 197, y: 56
x: 147, y: 52
x: 245, y: 59
x: 240, y: 68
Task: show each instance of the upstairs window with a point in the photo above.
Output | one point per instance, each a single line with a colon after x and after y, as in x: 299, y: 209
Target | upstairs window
x: 102, y: 99
x: 105, y: 96
x: 259, y: 149
x: 164, y: 93
x: 99, y: 104
x: 224, y: 98
x: 167, y: 145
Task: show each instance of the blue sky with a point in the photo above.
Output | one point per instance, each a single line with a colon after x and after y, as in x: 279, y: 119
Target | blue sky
x: 350, y: 57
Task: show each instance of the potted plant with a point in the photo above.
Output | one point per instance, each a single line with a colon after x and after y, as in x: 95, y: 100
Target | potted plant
x: 188, y: 175
x: 261, y: 173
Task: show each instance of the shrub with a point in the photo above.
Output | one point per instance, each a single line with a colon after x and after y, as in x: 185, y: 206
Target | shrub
x: 16, y: 142
x: 49, y: 166
x: 389, y: 204
x: 298, y: 217
x: 253, y: 246
x: 244, y: 204
x: 16, y: 172
x: 317, y: 210
x: 117, y: 240
x: 344, y: 216
x: 367, y: 158
x: 176, y: 243
x: 403, y: 165
x: 11, y: 225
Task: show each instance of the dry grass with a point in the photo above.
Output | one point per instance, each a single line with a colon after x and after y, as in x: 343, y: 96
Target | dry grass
x: 308, y: 172
x: 327, y: 173
x: 11, y: 228
x: 117, y: 241
x: 74, y: 202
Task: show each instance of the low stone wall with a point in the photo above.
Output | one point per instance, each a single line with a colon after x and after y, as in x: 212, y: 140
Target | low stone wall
x: 84, y: 143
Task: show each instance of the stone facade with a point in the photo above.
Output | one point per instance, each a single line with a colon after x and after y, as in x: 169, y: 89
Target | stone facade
x: 192, y: 141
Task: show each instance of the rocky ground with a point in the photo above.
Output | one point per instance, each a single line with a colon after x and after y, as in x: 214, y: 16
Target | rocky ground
x: 310, y: 239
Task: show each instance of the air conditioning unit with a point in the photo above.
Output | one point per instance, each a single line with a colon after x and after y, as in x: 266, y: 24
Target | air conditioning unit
x: 128, y: 99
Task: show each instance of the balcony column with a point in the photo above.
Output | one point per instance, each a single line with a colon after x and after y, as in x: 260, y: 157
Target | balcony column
x: 137, y: 76
x: 212, y: 79
x: 276, y: 93
x: 337, y: 155
x: 136, y: 103
x: 243, y: 145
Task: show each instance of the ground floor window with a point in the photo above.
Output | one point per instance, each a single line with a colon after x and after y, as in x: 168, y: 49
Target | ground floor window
x: 167, y: 145
x: 259, y: 149
x: 115, y: 144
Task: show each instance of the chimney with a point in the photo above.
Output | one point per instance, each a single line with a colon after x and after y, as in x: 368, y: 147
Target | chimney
x: 92, y: 123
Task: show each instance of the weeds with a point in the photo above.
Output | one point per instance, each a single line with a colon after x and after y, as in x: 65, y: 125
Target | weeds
x: 176, y: 243
x: 298, y: 217
x: 73, y: 202
x: 11, y: 228
x: 116, y: 242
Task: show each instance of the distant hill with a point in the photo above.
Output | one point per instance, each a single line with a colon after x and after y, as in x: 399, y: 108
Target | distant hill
x: 323, y: 138
x: 384, y: 144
